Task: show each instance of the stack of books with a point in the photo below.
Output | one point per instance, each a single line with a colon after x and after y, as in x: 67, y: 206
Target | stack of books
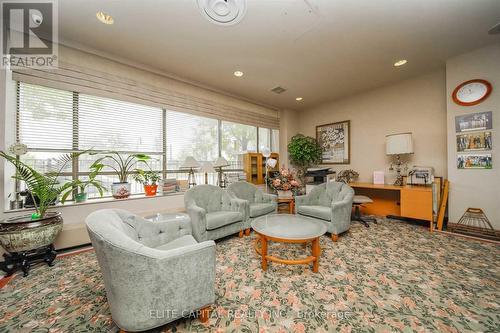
x: 168, y: 185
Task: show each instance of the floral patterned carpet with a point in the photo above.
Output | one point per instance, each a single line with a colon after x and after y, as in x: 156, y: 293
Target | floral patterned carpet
x: 391, y: 277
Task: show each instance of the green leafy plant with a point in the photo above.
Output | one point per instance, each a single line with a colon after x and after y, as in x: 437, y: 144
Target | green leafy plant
x: 303, y: 152
x: 44, y: 188
x: 146, y: 177
x: 123, y: 166
x: 81, y: 185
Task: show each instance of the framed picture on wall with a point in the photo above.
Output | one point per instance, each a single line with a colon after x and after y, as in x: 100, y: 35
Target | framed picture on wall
x: 476, y: 161
x: 334, y: 140
x: 474, y: 141
x: 473, y: 122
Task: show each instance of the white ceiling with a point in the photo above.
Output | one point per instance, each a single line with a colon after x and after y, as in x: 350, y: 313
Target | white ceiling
x: 318, y: 49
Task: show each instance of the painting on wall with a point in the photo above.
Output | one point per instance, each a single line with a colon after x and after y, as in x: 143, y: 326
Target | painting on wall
x: 479, y: 161
x: 334, y: 140
x: 473, y: 122
x: 474, y: 141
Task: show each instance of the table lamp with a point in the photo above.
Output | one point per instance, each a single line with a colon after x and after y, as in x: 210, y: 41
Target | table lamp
x: 219, y: 163
x: 207, y: 168
x: 397, y: 145
x: 191, y: 164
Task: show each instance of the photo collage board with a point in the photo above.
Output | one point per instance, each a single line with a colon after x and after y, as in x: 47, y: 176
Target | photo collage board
x: 474, y: 140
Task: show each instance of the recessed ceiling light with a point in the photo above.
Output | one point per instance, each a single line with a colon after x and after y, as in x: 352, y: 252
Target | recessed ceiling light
x: 298, y: 99
x: 400, y: 62
x: 104, y: 18
x: 238, y: 73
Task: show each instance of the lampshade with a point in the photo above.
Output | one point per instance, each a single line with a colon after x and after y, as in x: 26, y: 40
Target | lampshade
x: 207, y: 167
x: 190, y: 162
x: 271, y: 162
x: 266, y: 152
x: 400, y: 143
x: 220, y: 162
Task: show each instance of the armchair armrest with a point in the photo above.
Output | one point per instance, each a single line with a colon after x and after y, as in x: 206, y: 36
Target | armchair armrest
x: 270, y: 198
x: 198, y: 221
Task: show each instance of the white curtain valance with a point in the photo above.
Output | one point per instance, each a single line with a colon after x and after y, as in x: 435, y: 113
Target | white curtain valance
x: 74, y: 78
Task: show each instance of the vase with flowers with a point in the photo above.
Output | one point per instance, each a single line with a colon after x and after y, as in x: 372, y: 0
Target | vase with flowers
x: 285, y: 183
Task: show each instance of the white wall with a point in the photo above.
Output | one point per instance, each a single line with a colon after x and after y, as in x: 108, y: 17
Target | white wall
x: 417, y: 105
x: 474, y: 188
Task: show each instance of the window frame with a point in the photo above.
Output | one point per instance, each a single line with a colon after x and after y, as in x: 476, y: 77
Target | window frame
x: 75, y: 167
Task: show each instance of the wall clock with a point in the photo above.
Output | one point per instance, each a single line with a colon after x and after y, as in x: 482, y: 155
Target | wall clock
x: 471, y: 92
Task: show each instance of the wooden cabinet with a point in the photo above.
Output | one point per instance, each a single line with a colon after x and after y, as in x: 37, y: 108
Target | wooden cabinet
x: 254, y: 165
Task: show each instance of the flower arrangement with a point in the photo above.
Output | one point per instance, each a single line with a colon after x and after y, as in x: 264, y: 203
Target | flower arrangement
x: 285, y: 181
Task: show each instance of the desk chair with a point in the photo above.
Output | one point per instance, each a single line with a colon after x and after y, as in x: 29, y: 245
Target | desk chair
x: 358, y: 201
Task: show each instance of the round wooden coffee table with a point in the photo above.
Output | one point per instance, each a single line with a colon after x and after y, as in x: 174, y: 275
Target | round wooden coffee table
x: 287, y: 228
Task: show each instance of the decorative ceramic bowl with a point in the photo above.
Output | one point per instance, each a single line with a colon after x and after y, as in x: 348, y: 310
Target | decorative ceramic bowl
x: 21, y: 233
x: 120, y: 190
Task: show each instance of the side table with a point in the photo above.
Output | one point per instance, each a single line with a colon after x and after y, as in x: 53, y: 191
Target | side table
x: 290, y: 202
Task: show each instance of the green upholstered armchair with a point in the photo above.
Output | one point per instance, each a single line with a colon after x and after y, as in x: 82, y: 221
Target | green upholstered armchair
x: 153, y: 272
x: 330, y: 202
x: 214, y: 213
x: 259, y: 203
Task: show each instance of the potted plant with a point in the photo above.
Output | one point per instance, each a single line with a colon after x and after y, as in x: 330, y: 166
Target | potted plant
x: 123, y: 166
x: 149, y: 179
x: 25, y: 237
x: 285, y: 183
x: 303, y: 152
x: 81, y: 185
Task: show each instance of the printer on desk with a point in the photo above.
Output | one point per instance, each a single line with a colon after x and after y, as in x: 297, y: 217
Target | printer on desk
x: 420, y: 175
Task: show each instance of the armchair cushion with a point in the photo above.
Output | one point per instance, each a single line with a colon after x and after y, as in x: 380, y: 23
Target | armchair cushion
x: 177, y: 243
x: 320, y: 212
x: 259, y: 209
x: 222, y: 218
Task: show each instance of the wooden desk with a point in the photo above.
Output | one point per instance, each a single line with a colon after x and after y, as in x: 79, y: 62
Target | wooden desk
x: 409, y: 201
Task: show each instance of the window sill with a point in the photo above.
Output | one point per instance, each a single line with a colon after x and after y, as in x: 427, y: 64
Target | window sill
x: 98, y: 201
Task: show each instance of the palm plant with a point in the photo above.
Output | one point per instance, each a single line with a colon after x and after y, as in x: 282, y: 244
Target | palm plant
x: 123, y: 166
x: 44, y: 188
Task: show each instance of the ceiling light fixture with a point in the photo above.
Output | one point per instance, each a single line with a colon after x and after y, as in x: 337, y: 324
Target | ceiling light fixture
x: 298, y: 99
x: 238, y: 73
x: 400, y: 62
x: 104, y: 18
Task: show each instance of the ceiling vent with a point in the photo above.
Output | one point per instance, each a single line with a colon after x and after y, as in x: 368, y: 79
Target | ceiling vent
x: 278, y: 90
x: 223, y: 12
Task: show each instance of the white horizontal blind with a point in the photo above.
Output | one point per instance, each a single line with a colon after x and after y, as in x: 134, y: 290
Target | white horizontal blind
x: 189, y: 135
x: 108, y: 124
x: 45, y: 118
x: 72, y: 77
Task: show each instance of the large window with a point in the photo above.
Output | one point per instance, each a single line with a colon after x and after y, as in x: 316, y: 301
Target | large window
x: 237, y: 139
x: 52, y: 121
x: 189, y: 135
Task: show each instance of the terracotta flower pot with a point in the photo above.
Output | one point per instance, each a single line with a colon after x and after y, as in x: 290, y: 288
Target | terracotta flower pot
x: 150, y: 190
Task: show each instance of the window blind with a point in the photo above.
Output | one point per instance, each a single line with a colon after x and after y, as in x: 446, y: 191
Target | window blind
x: 89, y: 81
x: 44, y: 118
x: 108, y: 124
